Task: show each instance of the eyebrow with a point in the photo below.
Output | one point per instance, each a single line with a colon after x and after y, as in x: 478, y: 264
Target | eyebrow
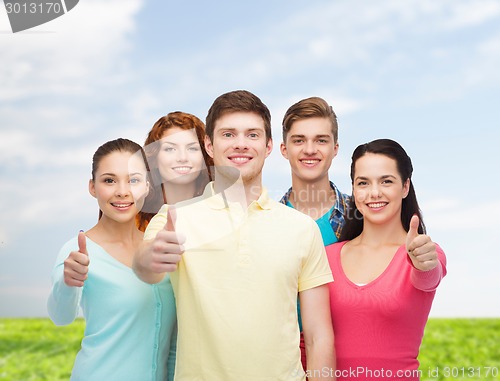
x: 246, y: 129
x: 380, y: 178
x: 114, y: 175
x: 316, y: 136
x: 174, y: 144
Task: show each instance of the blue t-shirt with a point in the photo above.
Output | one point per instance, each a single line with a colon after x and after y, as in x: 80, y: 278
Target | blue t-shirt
x: 324, y: 225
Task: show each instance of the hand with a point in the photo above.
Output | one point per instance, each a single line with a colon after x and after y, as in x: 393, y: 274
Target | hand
x: 167, y: 247
x: 420, y: 248
x: 76, y: 266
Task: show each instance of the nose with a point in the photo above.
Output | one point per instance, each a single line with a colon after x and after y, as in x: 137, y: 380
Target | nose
x: 122, y: 189
x: 375, y: 191
x: 310, y: 148
x: 240, y: 142
x: 181, y: 155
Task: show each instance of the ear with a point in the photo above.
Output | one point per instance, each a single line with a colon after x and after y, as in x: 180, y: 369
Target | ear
x: 92, y: 188
x: 283, y: 150
x: 335, y: 149
x: 406, y: 188
x: 269, y: 147
x: 209, y: 146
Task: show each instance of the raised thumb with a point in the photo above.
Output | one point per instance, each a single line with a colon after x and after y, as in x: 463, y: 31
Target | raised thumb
x: 413, y: 230
x: 82, y: 243
x: 171, y: 218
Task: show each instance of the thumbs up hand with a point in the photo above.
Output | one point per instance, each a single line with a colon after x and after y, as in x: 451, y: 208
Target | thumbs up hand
x: 76, y: 266
x: 167, y: 247
x: 420, y: 248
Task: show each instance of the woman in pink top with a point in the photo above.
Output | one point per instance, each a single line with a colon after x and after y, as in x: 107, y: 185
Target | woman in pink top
x: 386, y: 270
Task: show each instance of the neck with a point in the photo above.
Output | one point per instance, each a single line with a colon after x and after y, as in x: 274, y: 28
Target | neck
x: 237, y: 190
x: 312, y: 198
x: 179, y: 192
x: 107, y: 229
x: 388, y: 234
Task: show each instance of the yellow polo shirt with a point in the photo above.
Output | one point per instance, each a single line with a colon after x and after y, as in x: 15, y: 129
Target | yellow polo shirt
x: 236, y: 287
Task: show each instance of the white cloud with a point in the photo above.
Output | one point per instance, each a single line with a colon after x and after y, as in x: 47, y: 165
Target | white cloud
x: 460, y: 215
x: 471, y: 13
x: 85, y: 44
x: 483, y: 71
x: 375, y: 42
x: 3, y: 242
x: 490, y: 47
x: 22, y: 149
x: 35, y: 200
x: 140, y: 108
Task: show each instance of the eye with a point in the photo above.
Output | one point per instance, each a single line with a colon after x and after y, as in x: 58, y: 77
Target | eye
x: 361, y: 183
x: 194, y: 148
x: 135, y: 180
x: 297, y: 141
x: 169, y: 149
x: 253, y: 135
x: 227, y: 134
x: 323, y: 141
x: 387, y: 181
x: 108, y: 180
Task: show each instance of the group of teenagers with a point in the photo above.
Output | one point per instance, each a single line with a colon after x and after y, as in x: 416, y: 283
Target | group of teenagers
x: 194, y: 273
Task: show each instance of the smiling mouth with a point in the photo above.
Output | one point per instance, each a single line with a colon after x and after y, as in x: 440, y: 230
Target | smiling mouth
x: 240, y: 159
x: 310, y: 161
x: 122, y: 205
x: 182, y: 170
x: 377, y: 205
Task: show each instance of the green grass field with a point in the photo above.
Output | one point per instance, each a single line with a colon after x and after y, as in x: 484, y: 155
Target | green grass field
x: 453, y: 349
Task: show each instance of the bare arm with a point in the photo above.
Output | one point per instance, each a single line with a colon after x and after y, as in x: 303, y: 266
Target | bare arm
x: 318, y: 333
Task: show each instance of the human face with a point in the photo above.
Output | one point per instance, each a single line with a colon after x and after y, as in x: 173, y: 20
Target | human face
x: 310, y: 149
x: 120, y: 185
x: 378, y: 189
x: 239, y: 141
x: 180, y: 159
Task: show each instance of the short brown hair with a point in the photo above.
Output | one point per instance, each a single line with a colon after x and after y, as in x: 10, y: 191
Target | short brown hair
x: 237, y: 101
x: 313, y: 107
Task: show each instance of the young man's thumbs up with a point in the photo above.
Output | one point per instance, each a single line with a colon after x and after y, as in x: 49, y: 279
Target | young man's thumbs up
x: 167, y: 247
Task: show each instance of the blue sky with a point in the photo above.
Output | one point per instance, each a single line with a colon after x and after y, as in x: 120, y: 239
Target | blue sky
x: 422, y: 72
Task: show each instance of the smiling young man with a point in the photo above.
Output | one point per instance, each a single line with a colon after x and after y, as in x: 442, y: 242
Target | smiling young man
x: 310, y: 143
x: 244, y: 258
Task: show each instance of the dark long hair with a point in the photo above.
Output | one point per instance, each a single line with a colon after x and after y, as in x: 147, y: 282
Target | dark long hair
x: 354, y: 220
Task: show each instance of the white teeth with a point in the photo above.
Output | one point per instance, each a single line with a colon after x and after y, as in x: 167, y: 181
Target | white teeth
x: 377, y: 205
x: 182, y: 169
x: 310, y: 161
x: 121, y: 205
x: 240, y: 159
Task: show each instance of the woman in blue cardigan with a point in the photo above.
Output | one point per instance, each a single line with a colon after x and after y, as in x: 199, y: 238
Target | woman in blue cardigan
x: 130, y: 325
